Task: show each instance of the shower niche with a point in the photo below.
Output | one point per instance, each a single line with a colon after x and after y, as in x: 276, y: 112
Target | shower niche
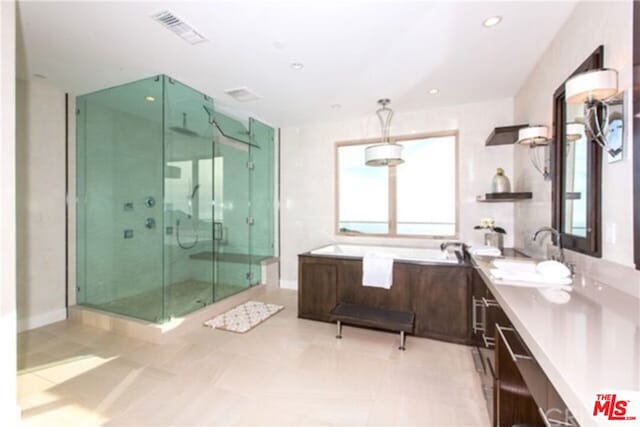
x: 175, y: 200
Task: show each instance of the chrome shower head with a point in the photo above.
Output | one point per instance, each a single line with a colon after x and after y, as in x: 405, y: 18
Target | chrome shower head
x: 184, y: 130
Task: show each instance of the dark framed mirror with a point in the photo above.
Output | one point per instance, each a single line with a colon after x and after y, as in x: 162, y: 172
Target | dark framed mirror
x: 577, y: 172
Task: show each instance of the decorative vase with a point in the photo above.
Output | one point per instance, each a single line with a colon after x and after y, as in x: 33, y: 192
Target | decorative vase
x: 494, y: 239
x: 500, y: 183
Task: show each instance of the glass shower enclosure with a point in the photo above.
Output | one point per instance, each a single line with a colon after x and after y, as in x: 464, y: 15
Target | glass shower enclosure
x: 175, y: 200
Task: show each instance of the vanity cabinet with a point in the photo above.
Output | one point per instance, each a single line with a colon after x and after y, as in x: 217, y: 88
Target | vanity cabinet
x: 318, y: 283
x: 515, y: 386
x: 485, y: 313
x: 441, y: 303
x: 438, y: 294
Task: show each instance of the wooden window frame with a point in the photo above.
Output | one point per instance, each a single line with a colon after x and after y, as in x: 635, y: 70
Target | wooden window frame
x: 393, y: 196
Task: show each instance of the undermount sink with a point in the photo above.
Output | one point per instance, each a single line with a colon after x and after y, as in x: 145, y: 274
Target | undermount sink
x: 527, y: 273
x: 515, y: 267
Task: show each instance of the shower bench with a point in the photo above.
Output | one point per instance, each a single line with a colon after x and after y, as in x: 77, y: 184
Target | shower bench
x: 373, y: 317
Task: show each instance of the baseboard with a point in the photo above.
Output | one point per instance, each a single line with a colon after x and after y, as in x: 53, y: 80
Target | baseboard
x: 43, y: 319
x: 289, y: 284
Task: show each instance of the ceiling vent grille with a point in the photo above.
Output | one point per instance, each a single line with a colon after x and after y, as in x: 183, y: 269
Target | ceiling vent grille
x: 178, y: 26
x: 242, y: 94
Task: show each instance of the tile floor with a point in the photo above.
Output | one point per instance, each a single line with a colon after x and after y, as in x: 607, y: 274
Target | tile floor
x: 286, y: 371
x: 182, y: 298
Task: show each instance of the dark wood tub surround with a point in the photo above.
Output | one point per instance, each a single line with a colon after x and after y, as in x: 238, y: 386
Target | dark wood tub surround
x: 443, y: 297
x: 438, y: 294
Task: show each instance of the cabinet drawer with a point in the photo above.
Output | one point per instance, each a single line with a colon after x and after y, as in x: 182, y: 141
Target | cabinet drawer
x: 551, y: 407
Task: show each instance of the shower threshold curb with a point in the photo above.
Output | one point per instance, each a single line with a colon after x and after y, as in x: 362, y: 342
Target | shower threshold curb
x: 155, y: 332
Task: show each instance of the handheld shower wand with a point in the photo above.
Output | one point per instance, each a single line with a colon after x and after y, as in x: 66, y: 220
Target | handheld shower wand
x: 189, y: 216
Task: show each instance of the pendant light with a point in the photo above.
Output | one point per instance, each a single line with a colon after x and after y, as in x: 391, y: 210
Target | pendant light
x: 386, y: 153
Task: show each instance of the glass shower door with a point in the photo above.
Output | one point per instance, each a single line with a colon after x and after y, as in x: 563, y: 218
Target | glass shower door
x: 188, y: 200
x: 262, y: 178
x: 232, y: 219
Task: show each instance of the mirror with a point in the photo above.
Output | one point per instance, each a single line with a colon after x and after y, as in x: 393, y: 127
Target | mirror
x: 577, y: 172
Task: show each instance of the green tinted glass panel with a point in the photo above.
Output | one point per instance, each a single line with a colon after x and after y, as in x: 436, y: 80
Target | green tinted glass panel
x: 175, y: 200
x: 188, y: 200
x: 119, y: 168
x: 261, y: 196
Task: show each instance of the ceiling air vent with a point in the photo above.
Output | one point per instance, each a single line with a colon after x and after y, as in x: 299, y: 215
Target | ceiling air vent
x: 242, y: 94
x: 178, y: 26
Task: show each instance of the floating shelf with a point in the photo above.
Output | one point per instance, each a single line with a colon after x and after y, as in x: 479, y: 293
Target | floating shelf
x: 504, y: 197
x: 504, y: 135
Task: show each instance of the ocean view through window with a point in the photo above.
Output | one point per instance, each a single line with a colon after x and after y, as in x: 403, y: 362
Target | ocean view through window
x: 417, y: 198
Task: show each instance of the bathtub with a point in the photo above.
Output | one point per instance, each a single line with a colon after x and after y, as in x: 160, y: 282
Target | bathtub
x: 434, y: 255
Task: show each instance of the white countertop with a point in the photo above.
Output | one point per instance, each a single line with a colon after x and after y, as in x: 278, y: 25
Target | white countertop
x: 588, y: 345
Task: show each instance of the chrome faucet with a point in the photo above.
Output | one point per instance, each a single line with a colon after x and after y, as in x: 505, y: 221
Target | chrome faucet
x: 556, y: 236
x: 458, y: 244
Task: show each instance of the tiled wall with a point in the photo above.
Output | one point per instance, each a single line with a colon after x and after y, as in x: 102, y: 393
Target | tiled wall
x: 590, y: 25
x: 307, y: 175
x: 40, y: 158
x: 8, y: 404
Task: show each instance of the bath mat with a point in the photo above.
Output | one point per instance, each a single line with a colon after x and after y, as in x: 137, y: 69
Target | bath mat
x: 244, y: 317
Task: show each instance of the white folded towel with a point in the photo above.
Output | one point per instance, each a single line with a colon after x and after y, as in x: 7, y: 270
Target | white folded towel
x: 485, y: 251
x: 377, y: 270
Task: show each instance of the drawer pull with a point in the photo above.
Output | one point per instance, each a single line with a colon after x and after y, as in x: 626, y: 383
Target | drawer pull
x: 478, y: 326
x: 490, y: 302
x: 513, y: 355
x: 550, y: 422
x: 488, y: 341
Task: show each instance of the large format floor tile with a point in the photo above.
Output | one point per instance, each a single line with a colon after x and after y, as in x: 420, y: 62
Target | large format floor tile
x: 286, y: 371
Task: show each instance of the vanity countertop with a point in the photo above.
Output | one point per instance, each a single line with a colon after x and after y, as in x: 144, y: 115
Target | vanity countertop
x: 589, y: 345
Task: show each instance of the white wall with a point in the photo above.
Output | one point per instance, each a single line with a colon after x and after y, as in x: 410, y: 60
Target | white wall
x: 40, y: 157
x: 307, y: 175
x: 8, y: 406
x: 590, y: 25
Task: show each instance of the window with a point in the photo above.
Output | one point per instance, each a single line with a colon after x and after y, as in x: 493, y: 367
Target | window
x: 417, y: 198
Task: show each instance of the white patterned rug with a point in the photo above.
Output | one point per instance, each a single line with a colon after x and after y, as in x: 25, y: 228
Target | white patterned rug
x: 244, y: 317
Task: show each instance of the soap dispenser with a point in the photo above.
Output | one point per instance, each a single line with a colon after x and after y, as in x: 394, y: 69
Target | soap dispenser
x: 500, y: 182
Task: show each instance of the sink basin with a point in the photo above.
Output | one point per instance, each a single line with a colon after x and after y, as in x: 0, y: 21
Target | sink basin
x: 523, y: 273
x: 515, y: 267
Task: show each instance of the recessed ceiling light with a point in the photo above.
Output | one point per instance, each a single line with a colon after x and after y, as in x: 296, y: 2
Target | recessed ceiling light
x: 149, y: 98
x: 40, y: 76
x: 297, y: 65
x: 336, y: 106
x: 492, y: 21
x: 434, y: 91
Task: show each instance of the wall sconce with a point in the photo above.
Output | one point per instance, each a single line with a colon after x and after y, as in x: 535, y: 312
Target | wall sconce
x: 574, y: 131
x: 536, y: 137
x: 598, y: 90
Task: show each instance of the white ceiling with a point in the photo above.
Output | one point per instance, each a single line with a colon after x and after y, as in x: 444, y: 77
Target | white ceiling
x: 353, y: 52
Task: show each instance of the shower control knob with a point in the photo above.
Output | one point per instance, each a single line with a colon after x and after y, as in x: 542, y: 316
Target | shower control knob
x: 149, y: 202
x: 150, y: 223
